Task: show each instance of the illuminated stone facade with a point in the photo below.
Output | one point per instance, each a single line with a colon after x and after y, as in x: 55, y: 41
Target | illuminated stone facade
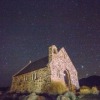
x: 35, y: 76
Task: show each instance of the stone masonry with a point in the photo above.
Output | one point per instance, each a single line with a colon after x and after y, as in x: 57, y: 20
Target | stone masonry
x: 35, y: 76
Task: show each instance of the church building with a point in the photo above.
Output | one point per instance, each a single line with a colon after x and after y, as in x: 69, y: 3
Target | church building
x: 56, y: 67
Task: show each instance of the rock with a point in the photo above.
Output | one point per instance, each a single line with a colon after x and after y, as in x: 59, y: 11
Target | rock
x: 23, y: 97
x: 65, y: 98
x: 32, y: 96
x: 59, y: 97
x: 62, y: 97
x: 14, y: 96
x: 70, y: 95
x: 41, y: 98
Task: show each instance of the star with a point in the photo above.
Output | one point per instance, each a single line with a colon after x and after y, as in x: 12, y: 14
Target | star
x: 96, y: 59
x: 87, y: 74
x: 82, y: 66
x: 19, y: 12
x: 95, y: 72
x: 28, y: 28
x: 32, y: 24
x: 43, y: 15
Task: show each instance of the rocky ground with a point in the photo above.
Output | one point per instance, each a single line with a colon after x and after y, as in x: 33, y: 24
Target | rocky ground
x: 90, y: 97
x: 33, y: 96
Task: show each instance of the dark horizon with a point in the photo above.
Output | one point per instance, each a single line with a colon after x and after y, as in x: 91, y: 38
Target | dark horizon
x: 28, y: 28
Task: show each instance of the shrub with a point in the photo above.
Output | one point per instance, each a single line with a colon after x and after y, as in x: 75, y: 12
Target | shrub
x: 85, y: 90
x: 73, y: 88
x: 84, y: 87
x: 56, y: 88
x: 94, y: 90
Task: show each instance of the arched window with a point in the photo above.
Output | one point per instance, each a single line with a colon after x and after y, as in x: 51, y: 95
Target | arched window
x: 25, y: 78
x: 35, y: 77
x: 32, y: 76
x: 54, y: 51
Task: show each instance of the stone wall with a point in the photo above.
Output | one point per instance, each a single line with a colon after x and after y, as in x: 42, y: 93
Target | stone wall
x: 71, y: 68
x: 59, y: 68
x: 62, y: 69
x: 31, y: 82
x: 52, y: 52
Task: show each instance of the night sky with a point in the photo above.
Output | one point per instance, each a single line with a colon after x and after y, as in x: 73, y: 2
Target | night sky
x: 29, y: 27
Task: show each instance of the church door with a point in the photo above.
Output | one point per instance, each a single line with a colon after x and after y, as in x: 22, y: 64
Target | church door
x: 67, y: 78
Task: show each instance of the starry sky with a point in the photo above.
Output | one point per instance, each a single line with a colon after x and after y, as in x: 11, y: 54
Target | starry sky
x: 29, y: 27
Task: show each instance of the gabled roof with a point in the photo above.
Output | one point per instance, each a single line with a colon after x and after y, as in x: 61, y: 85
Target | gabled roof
x: 41, y: 63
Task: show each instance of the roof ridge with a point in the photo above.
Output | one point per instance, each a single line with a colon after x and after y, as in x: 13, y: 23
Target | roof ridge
x: 33, y: 65
x: 22, y: 68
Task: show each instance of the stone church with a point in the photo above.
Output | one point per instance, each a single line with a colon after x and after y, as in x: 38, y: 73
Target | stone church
x: 56, y: 67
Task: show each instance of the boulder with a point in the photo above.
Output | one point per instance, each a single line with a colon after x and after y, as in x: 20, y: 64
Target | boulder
x: 62, y: 97
x: 32, y: 96
x: 70, y: 95
x: 41, y: 98
x: 23, y: 97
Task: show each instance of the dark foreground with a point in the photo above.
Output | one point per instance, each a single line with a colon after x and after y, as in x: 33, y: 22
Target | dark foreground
x: 33, y: 96
x: 90, y: 97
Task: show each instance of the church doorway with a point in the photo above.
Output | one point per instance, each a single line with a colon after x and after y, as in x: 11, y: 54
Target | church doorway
x: 67, y: 78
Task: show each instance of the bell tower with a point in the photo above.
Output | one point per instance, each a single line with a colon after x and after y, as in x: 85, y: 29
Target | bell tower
x: 52, y: 52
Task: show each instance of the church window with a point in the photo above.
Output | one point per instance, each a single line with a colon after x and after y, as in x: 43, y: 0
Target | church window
x: 24, y: 78
x: 35, y: 76
x: 32, y: 76
x: 54, y: 51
